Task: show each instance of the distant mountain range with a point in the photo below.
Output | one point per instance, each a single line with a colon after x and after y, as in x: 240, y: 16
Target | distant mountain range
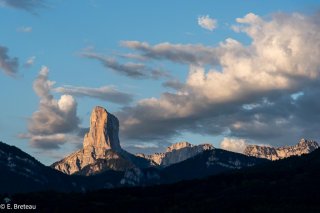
x: 102, y: 163
x: 288, y: 185
x: 272, y: 153
x: 22, y: 173
x: 102, y: 151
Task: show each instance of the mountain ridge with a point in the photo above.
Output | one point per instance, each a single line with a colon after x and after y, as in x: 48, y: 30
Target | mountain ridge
x: 287, y: 185
x: 275, y: 153
x: 102, y: 163
x: 176, y: 153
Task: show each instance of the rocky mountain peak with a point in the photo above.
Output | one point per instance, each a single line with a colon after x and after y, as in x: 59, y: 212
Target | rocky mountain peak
x: 104, y: 130
x: 179, y: 145
x: 176, y: 153
x: 272, y: 153
x: 303, y: 141
x: 309, y: 143
x: 101, y: 149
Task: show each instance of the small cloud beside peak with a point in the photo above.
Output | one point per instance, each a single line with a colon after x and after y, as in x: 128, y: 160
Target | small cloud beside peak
x: 29, y: 62
x: 207, y: 23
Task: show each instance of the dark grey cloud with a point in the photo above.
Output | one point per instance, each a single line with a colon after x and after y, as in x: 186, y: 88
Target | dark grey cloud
x: 196, y: 54
x: 7, y: 64
x: 174, y: 84
x: 307, y: 112
x: 281, y: 122
x: 132, y: 70
x: 52, y: 118
x: 27, y: 5
x: 132, y: 56
x: 152, y: 120
x: 82, y: 131
x: 105, y: 93
x: 150, y: 148
x: 45, y: 142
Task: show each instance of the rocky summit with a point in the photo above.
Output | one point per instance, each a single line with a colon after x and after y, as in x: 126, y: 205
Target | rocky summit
x: 176, y: 153
x: 101, y: 149
x: 104, y: 130
x: 272, y: 153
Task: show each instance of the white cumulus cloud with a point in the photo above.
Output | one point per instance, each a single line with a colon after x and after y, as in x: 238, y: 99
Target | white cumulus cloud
x: 50, y: 125
x: 239, y: 90
x: 233, y: 144
x: 30, y: 61
x: 207, y: 23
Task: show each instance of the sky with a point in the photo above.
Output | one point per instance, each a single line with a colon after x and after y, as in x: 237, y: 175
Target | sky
x: 229, y: 73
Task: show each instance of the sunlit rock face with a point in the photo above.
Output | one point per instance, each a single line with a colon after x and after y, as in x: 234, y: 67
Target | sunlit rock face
x: 101, y: 149
x: 176, y: 153
x: 272, y: 153
x: 104, y: 130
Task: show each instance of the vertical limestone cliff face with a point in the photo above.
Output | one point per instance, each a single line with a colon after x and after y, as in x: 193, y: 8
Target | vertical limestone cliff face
x: 104, y: 130
x: 101, y: 149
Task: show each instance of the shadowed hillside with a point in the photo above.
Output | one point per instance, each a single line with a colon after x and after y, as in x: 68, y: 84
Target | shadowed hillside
x: 289, y: 185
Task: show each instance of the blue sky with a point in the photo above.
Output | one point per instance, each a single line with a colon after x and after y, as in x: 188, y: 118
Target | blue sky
x: 76, y: 44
